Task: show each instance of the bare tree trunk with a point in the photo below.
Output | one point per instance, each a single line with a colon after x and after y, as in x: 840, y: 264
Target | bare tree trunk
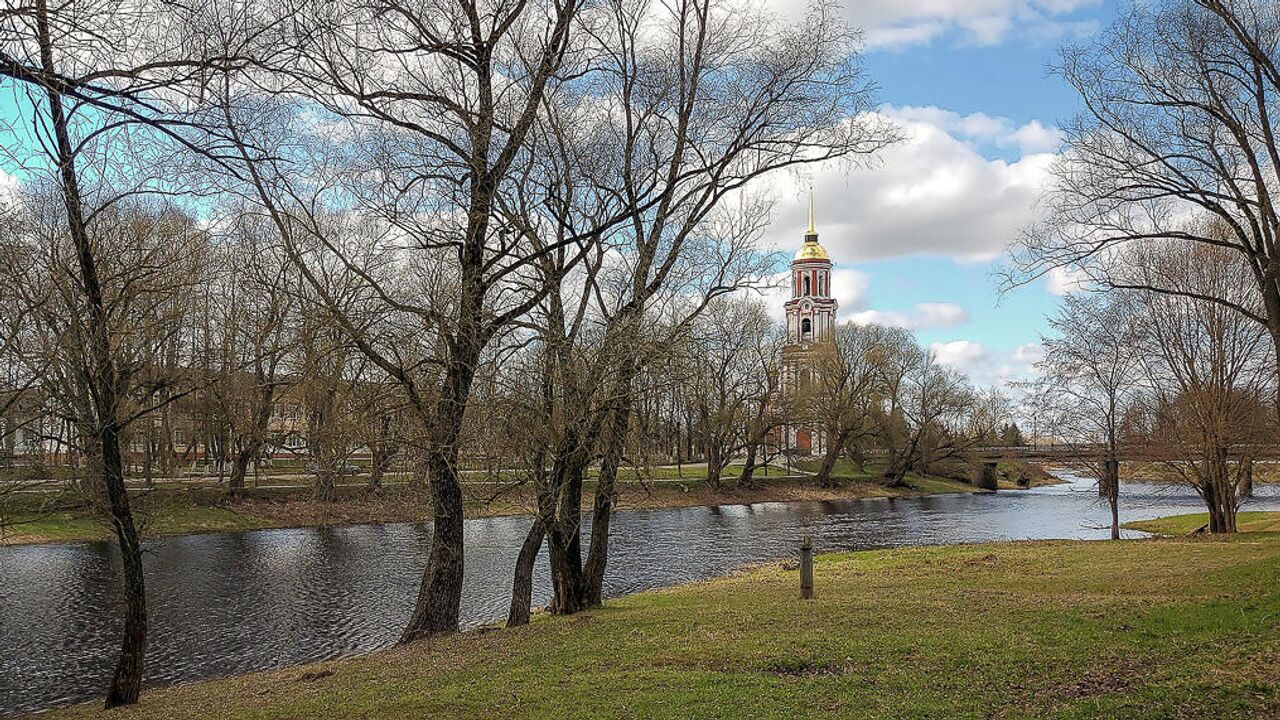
x: 440, y: 595
x: 522, y: 583
x: 126, y: 680
x: 254, y: 441
x: 606, y: 491
x: 714, y: 464
x: 239, y: 470
x: 749, y: 466
x: 563, y: 532
x: 1111, y: 479
x: 829, y: 460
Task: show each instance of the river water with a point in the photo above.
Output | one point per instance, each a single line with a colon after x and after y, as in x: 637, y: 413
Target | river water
x: 227, y: 603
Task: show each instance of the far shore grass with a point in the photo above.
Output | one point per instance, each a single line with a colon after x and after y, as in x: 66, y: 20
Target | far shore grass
x: 1248, y: 521
x: 1141, y: 629
x: 178, y: 509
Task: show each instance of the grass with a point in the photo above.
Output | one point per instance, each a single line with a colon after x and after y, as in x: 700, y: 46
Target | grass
x: 176, y: 509
x: 1167, y: 628
x: 1009, y: 471
x: 1253, y: 521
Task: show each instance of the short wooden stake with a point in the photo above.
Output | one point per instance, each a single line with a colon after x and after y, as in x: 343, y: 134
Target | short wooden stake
x: 806, y: 568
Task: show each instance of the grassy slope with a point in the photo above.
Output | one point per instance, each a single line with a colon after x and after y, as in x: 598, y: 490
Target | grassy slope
x: 1253, y: 521
x: 1139, y: 629
x: 177, y: 510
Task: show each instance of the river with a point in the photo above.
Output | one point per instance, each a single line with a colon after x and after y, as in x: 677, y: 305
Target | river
x: 227, y: 603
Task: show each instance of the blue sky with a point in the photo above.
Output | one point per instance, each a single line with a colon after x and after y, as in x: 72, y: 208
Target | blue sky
x: 917, y: 238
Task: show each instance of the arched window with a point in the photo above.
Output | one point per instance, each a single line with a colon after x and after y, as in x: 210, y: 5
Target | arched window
x: 822, y: 284
x: 806, y: 329
x: 806, y: 284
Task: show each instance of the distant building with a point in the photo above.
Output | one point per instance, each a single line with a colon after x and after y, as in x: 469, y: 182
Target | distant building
x: 811, y: 323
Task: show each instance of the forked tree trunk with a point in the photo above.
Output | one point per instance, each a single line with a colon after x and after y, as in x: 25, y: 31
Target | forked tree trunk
x: 564, y: 538
x: 254, y: 441
x: 1219, y: 493
x: 713, y: 465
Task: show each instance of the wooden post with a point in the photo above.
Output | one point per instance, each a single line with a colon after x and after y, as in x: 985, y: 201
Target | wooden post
x: 806, y: 568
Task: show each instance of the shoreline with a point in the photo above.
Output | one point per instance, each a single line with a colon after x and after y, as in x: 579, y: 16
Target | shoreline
x: 752, y: 633
x: 175, y: 513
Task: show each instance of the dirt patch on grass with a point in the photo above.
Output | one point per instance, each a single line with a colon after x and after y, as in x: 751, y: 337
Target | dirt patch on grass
x: 1117, y: 676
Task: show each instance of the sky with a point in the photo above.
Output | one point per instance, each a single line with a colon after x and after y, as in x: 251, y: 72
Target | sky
x: 917, y: 237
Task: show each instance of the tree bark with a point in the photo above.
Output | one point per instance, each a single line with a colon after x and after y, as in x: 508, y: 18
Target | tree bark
x: 440, y: 595
x: 522, y: 583
x: 606, y: 495
x: 564, y: 533
x: 829, y: 460
x: 749, y: 466
x: 1245, y: 487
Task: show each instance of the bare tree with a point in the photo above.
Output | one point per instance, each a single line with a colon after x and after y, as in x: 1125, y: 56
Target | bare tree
x: 1090, y: 375
x: 726, y: 384
x: 837, y: 390
x: 1180, y: 98
x: 1208, y: 373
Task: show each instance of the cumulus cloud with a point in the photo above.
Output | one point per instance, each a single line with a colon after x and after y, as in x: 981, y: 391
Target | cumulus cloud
x: 987, y: 368
x: 924, y: 316
x: 934, y: 193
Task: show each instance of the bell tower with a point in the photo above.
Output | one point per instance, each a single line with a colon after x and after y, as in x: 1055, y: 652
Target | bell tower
x: 811, y: 323
x: 811, y: 311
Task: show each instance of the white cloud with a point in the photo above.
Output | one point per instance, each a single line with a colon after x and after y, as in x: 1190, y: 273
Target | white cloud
x: 987, y: 368
x: 932, y: 194
x: 897, y: 24
x: 924, y: 316
x: 1064, y: 281
x: 1036, y: 138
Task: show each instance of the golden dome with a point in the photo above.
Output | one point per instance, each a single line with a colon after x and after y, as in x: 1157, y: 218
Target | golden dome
x: 811, y: 250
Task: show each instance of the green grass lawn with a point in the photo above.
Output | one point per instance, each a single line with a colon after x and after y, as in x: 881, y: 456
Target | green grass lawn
x: 160, y: 516
x: 1172, y: 628
x: 846, y: 471
x: 1255, y: 521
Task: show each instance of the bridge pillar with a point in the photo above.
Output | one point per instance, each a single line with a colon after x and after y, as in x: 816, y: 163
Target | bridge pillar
x: 987, y: 479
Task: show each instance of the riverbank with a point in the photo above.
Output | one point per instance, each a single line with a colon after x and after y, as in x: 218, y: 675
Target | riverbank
x: 1175, y: 525
x: 167, y: 511
x: 1136, y: 629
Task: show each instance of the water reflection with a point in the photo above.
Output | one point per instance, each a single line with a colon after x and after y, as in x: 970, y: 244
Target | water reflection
x: 234, y: 602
